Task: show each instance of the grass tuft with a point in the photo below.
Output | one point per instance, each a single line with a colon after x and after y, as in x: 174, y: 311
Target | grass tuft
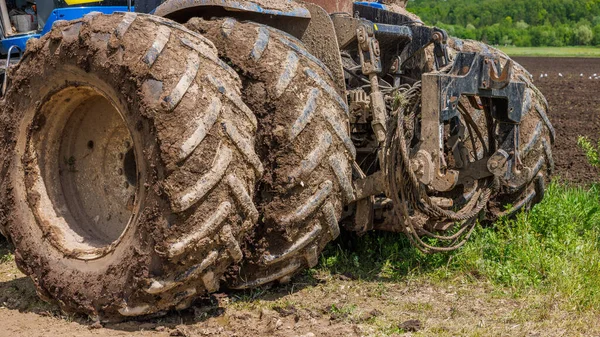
x: 552, y: 249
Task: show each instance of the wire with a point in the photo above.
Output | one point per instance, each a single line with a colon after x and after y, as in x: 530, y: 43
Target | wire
x: 405, y: 190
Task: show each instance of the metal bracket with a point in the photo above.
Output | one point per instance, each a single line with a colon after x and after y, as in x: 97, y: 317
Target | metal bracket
x: 5, y: 82
x: 472, y: 74
x: 369, y: 52
x: 440, y: 48
x: 370, y: 60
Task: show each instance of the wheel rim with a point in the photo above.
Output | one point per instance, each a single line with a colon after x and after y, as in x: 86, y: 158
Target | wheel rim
x: 86, y: 174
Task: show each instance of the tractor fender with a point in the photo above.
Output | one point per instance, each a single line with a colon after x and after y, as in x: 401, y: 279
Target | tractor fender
x: 306, y: 21
x: 174, y: 9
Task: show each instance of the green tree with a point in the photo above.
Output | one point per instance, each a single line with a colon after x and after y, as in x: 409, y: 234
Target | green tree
x: 584, y: 35
x: 596, y: 40
x: 521, y: 25
x: 521, y: 22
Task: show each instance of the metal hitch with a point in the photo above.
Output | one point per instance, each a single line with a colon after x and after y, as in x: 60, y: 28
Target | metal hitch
x: 472, y: 75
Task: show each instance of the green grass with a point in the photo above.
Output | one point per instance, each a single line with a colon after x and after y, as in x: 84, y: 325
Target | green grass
x: 553, y: 249
x: 552, y: 51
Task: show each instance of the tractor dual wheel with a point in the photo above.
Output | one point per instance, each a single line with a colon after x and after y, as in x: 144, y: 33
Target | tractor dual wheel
x: 129, y: 167
x: 305, y: 142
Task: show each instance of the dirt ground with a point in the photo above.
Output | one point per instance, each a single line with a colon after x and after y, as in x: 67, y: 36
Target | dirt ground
x: 574, y: 110
x: 322, y: 305
x: 335, y: 305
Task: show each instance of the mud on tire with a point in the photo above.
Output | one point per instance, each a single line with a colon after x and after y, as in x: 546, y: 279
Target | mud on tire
x: 306, y: 147
x: 129, y: 165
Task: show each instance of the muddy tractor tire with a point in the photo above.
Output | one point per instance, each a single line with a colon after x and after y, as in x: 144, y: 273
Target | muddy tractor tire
x: 129, y: 166
x: 306, y: 148
x: 536, y: 137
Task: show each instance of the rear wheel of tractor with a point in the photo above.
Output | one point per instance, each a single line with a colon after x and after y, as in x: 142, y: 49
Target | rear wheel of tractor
x: 303, y: 124
x: 131, y: 165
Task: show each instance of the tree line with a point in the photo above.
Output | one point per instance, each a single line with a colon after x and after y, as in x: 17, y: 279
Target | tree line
x: 523, y: 23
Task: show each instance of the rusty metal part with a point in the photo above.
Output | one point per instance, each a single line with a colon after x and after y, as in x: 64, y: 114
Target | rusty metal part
x: 490, y: 78
x: 471, y: 75
x: 334, y: 6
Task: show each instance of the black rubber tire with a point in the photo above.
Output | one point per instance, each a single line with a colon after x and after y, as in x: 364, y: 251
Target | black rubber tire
x: 193, y: 142
x: 536, y: 136
x: 305, y: 145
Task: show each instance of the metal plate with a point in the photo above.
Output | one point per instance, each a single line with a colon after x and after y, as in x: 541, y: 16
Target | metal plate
x: 278, y: 8
x: 334, y: 6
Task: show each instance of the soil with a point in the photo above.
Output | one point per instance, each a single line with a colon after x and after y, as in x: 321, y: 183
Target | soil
x: 574, y: 111
x: 326, y: 304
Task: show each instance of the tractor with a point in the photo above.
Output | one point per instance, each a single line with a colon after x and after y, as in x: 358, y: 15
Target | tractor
x: 23, y: 20
x: 154, y: 156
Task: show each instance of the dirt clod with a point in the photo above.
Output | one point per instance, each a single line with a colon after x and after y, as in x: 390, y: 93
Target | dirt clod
x: 412, y: 325
x: 96, y: 325
x: 179, y: 332
x: 286, y: 311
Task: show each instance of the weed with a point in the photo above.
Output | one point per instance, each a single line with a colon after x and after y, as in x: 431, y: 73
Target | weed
x: 554, y: 249
x: 592, y: 152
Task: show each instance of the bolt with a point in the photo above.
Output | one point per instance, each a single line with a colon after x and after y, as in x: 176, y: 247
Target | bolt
x: 127, y: 144
x: 376, y: 49
x: 395, y: 66
x: 494, y: 165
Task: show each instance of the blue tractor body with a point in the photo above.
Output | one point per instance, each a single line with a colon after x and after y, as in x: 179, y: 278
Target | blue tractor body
x: 67, y: 13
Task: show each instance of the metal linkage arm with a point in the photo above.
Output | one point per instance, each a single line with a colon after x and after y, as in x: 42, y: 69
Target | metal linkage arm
x: 472, y: 74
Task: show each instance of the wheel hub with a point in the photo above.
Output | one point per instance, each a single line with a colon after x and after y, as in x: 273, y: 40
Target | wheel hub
x: 86, y: 161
